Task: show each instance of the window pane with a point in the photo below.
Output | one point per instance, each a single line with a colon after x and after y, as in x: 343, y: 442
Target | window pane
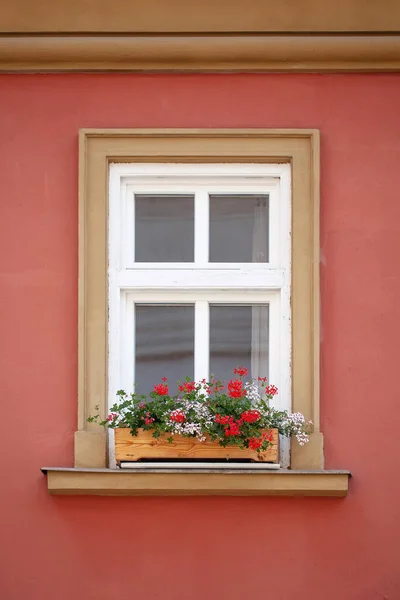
x: 239, y: 337
x: 164, y: 228
x: 239, y: 228
x: 164, y: 345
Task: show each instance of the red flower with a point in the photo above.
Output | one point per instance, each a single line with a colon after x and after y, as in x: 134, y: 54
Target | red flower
x: 112, y: 417
x: 269, y: 436
x: 262, y: 379
x: 235, y: 388
x: 240, y: 371
x: 223, y: 420
x: 149, y: 420
x: 177, y: 416
x: 271, y: 390
x: 250, y: 416
x: 188, y: 386
x: 164, y: 378
x: 255, y: 443
x: 232, y: 429
x: 161, y: 389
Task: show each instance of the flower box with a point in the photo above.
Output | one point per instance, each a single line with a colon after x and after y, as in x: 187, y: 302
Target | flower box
x: 145, y: 446
x: 204, y: 421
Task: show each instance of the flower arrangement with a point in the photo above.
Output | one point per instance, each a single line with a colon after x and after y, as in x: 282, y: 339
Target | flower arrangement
x: 234, y: 414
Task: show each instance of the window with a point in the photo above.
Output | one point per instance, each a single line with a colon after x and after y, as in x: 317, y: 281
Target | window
x: 153, y: 283
x: 199, y: 273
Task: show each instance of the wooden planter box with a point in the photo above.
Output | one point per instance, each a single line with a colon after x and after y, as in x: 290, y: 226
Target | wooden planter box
x: 144, y: 446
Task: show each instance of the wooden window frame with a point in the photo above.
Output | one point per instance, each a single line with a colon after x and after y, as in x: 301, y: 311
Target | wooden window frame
x: 199, y: 283
x: 99, y: 148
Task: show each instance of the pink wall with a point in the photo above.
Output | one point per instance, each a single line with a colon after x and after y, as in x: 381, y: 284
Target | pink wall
x: 178, y: 548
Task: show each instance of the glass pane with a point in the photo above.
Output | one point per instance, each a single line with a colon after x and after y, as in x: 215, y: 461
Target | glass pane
x: 239, y: 337
x: 164, y: 228
x: 164, y: 345
x: 239, y: 228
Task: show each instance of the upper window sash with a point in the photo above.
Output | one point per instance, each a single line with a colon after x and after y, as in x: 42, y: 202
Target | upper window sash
x: 200, y: 181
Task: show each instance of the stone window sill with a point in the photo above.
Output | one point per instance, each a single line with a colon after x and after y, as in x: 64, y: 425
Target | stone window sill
x: 215, y: 481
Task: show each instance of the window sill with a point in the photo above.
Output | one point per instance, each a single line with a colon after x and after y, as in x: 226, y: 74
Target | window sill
x: 156, y: 481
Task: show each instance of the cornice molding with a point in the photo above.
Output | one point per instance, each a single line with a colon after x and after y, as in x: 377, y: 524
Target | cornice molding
x: 196, y: 53
x: 164, y: 17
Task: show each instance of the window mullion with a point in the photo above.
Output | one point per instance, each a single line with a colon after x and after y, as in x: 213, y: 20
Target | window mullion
x: 201, y: 340
x: 201, y: 227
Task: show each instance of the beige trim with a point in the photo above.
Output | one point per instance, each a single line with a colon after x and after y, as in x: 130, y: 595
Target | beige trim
x: 90, y: 448
x: 100, y: 147
x: 201, y: 16
x: 255, y: 53
x: 156, y: 482
x: 200, y: 35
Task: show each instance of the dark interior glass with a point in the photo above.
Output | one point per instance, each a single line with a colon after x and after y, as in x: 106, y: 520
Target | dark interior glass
x: 239, y: 228
x: 164, y: 345
x: 239, y: 336
x: 164, y: 228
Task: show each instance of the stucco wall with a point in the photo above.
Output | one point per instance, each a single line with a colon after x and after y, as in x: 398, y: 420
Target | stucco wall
x: 178, y: 548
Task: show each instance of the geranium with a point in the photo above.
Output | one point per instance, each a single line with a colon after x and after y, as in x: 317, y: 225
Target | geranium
x: 177, y: 416
x: 148, y: 419
x: 218, y: 387
x: 241, y: 371
x: 271, y: 390
x: 251, y: 416
x: 188, y: 386
x: 161, y: 389
x: 255, y: 443
x: 241, y: 415
x: 232, y: 429
x: 222, y: 420
x: 236, y: 389
x: 297, y: 425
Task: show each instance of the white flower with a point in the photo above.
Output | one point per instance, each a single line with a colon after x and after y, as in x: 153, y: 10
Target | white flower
x: 296, y: 423
x: 253, y: 392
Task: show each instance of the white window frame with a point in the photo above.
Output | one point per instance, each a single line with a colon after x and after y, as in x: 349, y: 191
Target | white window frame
x: 198, y: 283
